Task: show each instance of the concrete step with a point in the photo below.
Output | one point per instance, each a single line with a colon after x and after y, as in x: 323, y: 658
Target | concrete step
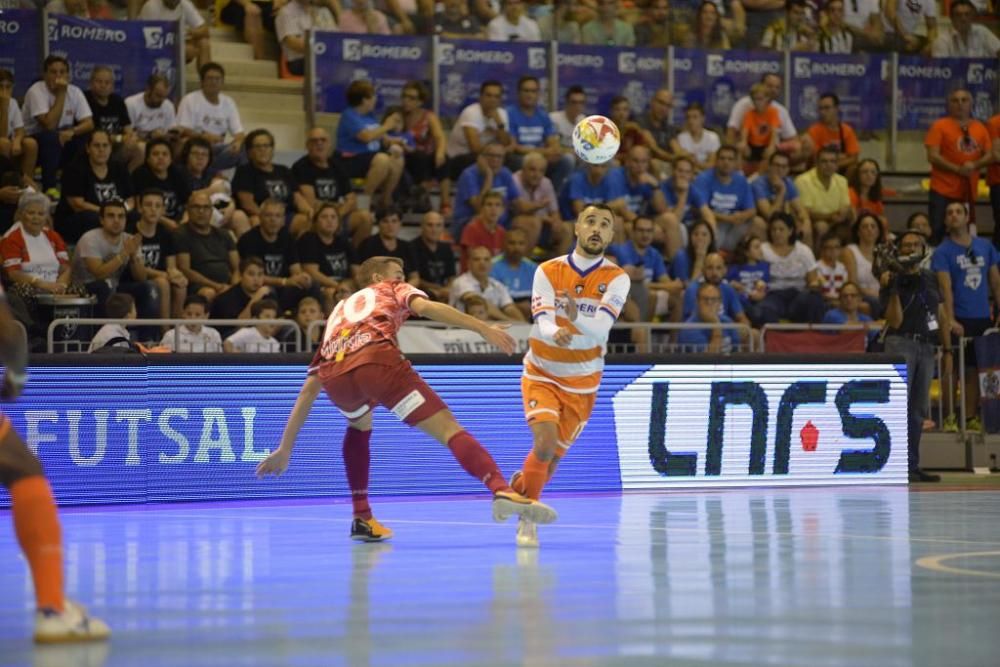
x: 283, y: 113
x: 224, y: 33
x: 275, y: 100
x: 231, y: 51
x: 228, y: 35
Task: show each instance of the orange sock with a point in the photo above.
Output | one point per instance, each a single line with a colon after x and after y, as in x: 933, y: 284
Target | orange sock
x: 37, y: 526
x: 536, y: 474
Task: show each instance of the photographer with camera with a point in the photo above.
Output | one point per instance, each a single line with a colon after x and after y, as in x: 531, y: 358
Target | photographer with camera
x: 916, y: 321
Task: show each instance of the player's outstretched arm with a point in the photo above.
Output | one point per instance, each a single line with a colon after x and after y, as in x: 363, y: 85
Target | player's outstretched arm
x: 277, y: 461
x: 440, y: 312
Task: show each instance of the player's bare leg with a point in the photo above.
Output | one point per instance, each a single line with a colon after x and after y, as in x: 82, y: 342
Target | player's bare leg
x: 475, y: 460
x: 357, y: 462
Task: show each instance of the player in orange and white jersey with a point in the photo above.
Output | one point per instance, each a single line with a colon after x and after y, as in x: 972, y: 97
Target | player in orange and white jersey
x: 575, y: 301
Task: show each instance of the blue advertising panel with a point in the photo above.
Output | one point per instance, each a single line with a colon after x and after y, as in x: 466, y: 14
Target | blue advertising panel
x: 717, y: 79
x: 389, y: 62
x: 863, y: 84
x: 464, y: 64
x: 20, y: 44
x: 110, y: 432
x: 924, y: 85
x: 640, y: 72
x: 132, y: 49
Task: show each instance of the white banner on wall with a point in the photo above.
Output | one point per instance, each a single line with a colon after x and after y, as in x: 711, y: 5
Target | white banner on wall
x: 427, y: 340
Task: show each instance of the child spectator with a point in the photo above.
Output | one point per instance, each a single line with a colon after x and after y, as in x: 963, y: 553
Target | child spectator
x: 476, y: 306
x: 759, y: 134
x: 259, y: 338
x: 832, y: 272
x: 193, y: 337
x: 117, y: 307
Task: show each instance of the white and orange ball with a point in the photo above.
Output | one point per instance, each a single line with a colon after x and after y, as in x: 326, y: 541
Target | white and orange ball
x: 596, y: 139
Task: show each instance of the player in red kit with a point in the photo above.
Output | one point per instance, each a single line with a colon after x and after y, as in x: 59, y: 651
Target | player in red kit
x: 359, y: 365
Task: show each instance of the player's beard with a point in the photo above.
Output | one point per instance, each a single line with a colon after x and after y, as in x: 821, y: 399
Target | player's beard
x: 594, y: 246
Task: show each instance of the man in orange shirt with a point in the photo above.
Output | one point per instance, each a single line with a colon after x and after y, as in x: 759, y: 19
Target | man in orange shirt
x: 993, y: 175
x: 831, y: 132
x: 958, y: 147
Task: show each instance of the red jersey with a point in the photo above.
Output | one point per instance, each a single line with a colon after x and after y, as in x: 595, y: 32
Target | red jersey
x: 362, y: 328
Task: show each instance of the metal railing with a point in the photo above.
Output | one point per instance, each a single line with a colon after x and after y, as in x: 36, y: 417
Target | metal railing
x: 76, y: 345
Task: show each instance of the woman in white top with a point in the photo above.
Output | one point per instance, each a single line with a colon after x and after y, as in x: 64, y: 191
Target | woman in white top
x: 696, y: 141
x: 858, y: 256
x: 794, y: 287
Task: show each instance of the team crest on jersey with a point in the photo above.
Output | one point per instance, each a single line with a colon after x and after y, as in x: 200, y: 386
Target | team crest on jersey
x: 532, y: 404
x: 602, y: 288
x: 579, y: 290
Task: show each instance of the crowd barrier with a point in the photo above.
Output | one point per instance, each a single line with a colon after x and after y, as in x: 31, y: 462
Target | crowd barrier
x: 73, y: 334
x: 164, y: 428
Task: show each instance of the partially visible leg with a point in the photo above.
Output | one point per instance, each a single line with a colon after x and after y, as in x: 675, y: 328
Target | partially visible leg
x: 359, y: 224
x: 29, y: 158
x: 469, y: 453
x: 357, y: 461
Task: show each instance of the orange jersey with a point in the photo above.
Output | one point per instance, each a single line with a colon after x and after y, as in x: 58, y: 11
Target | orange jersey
x: 761, y: 127
x: 958, y: 147
x: 876, y: 207
x: 842, y: 139
x: 993, y: 171
x: 600, y: 292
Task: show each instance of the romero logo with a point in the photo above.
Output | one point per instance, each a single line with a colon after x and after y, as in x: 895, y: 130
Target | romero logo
x: 352, y: 50
x: 536, y: 58
x: 714, y: 65
x: 153, y: 36
x: 446, y: 54
x: 626, y: 62
x: 975, y: 73
x: 802, y: 68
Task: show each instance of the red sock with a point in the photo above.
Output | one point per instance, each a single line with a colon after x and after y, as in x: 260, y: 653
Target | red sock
x: 36, y: 524
x: 476, y: 461
x: 535, y: 473
x: 357, y: 458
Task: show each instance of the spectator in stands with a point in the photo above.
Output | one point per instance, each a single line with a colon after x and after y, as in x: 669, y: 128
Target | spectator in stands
x: 292, y: 22
x: 865, y: 190
x: 831, y: 271
x: 532, y: 130
x: 477, y: 281
x: 654, y: 30
x: 158, y: 173
x: 993, y: 174
x: 212, y: 115
x: 775, y: 191
x: 118, y: 307
x: 489, y: 175
x: 759, y: 15
x: 206, y: 255
x: 653, y: 289
x: 151, y: 113
x: 434, y: 258
x: 911, y: 25
x: 193, y: 337
x: 788, y: 141
x: 684, y: 205
x: 307, y: 311
x: 590, y: 185
x: 566, y: 119
x: 847, y: 310
x: 386, y: 243
x: 794, y: 290
x: 14, y: 145
x: 688, y: 263
x: 713, y: 340
x: 484, y: 230
x: 359, y: 144
x: 825, y: 194
x: 620, y: 111
x: 565, y: 22
x: 728, y: 193
x: 452, y: 21
x: 607, y: 29
x: 513, y: 25
x: 426, y: 163
x: 109, y: 114
x: 195, y: 163
x: 864, y: 19
x: 261, y: 179
x: 476, y: 306
x: 714, y: 273
x: 542, y: 204
x: 958, y: 147
x: 793, y: 32
x: 695, y: 141
x: 252, y: 17
x: 236, y: 301
x: 920, y: 223
x: 55, y: 113
x: 707, y: 31
x: 326, y: 256
x: 363, y: 18
x: 835, y: 36
x: 639, y: 189
x: 748, y: 275
x: 967, y: 275
x: 479, y: 124
x: 158, y: 254
x: 89, y: 181
x: 271, y: 241
x: 964, y: 38
x: 259, y: 338
x: 516, y: 271
x: 759, y: 134
x: 196, y: 40
x: 661, y: 134
x: 831, y: 132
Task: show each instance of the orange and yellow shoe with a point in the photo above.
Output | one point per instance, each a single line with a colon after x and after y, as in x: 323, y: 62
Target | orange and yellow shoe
x: 369, y: 530
x: 508, y: 503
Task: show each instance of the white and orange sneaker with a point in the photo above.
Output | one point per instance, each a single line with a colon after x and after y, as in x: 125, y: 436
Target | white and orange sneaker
x: 508, y: 503
x: 72, y: 624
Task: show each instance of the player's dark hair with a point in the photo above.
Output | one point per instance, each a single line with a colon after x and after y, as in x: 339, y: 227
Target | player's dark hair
x: 153, y: 143
x: 93, y: 133
x: 830, y: 96
x: 727, y: 148
x: 196, y: 299
x: 211, y: 67
x: 600, y: 206
x: 575, y: 90
x: 150, y: 192
x: 52, y: 60
x: 113, y: 203
x: 247, y: 262
x: 527, y: 78
x: 262, y: 305
x: 118, y: 306
x: 489, y: 83
x: 785, y: 219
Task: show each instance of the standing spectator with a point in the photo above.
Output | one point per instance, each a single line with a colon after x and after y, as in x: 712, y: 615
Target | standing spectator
x: 193, y: 337
x: 252, y: 17
x: 794, y: 290
x: 695, y: 141
x: 532, y: 131
x: 484, y: 231
x: 206, y: 255
x: 513, y: 25
x: 748, y: 275
x: 515, y: 271
x: 661, y: 134
x: 359, y: 144
x: 865, y: 191
x: 151, y: 113
x: 479, y: 124
x: 326, y: 256
x: 835, y: 36
x: 859, y: 256
x: 477, y: 280
x: 831, y: 132
x: 55, y: 113
x: 158, y: 173
x: 362, y: 18
x: 911, y: 25
x: 759, y: 134
x: 712, y: 340
x: 967, y: 275
x: 607, y: 29
x: 793, y: 32
x: 993, y: 175
x: 728, y: 193
x: 259, y: 338
x: 434, y: 258
x: 958, y: 146
x: 655, y: 29
x: 237, y: 301
x: 261, y: 179
x: 831, y: 271
x: 864, y: 19
x: 291, y: 24
x: 386, y: 243
x: 489, y: 175
x: 90, y: 181
x: 964, y: 38
x: 212, y: 115
x: 13, y: 144
x: 707, y: 31
x: 196, y: 41
x: 110, y: 115
x: 787, y: 137
x: 825, y: 194
x: 542, y: 203
x: 652, y: 286
x: 566, y: 119
x: 452, y: 21
x: 321, y: 179
x: 684, y: 206
x: 426, y: 163
x: 775, y: 191
x: 158, y: 254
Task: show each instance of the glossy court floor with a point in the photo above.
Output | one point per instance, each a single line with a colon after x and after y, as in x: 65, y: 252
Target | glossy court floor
x: 818, y: 577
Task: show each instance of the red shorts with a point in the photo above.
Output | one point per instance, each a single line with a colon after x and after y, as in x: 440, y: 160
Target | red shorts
x: 396, y: 386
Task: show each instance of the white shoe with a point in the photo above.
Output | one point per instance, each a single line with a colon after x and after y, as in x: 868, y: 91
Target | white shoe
x: 73, y: 624
x: 527, y: 533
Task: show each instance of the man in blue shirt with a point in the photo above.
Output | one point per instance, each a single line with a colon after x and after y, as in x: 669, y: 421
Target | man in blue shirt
x: 652, y: 285
x: 728, y: 193
x: 532, y: 130
x: 487, y: 175
x: 590, y: 185
x: 775, y: 191
x: 515, y: 271
x: 640, y: 187
x: 684, y: 205
x: 714, y: 272
x: 709, y: 340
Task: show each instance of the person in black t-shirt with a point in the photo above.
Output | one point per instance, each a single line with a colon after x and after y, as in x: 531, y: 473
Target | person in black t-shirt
x: 159, y: 174
x: 159, y: 254
x: 262, y: 179
x: 90, y: 181
x: 387, y: 244
x: 325, y: 255
x: 323, y: 180
x: 434, y: 260
x: 452, y: 21
x: 110, y: 114
x: 237, y: 301
x: 194, y: 165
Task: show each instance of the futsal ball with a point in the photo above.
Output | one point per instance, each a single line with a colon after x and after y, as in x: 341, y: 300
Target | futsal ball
x: 596, y: 139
